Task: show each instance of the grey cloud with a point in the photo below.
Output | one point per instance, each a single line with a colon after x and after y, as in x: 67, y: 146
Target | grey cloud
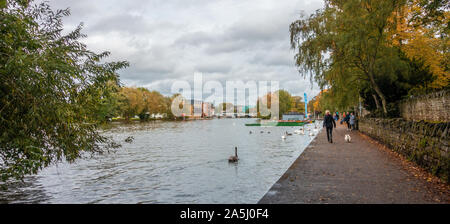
x: 129, y: 24
x: 214, y: 67
x: 196, y: 38
x: 168, y: 40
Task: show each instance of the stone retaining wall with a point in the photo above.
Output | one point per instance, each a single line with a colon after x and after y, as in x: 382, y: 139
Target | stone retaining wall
x: 425, y: 143
x: 430, y: 107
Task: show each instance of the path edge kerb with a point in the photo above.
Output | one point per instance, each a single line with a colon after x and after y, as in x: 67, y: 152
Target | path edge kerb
x: 293, y: 164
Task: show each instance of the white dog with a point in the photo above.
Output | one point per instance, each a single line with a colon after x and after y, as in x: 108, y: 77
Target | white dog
x: 348, y: 138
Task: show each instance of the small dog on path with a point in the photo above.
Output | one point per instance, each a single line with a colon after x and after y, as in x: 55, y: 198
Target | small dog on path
x: 347, y: 138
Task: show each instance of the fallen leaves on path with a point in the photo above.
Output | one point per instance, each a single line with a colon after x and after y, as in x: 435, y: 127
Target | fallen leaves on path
x: 433, y: 183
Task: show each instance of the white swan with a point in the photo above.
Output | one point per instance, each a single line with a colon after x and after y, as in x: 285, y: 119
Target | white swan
x: 301, y: 132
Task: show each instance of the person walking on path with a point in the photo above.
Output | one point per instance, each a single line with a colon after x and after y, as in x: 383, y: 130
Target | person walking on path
x: 329, y: 123
x: 347, y: 120
x: 352, y: 122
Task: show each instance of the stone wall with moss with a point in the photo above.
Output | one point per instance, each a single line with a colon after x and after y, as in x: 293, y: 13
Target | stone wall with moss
x: 425, y: 143
x: 431, y: 107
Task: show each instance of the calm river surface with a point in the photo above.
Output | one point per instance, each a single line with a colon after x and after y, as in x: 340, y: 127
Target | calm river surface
x: 171, y: 162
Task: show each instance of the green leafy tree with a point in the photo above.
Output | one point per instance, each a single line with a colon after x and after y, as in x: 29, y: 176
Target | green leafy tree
x: 109, y: 104
x: 284, y: 102
x: 352, y: 33
x: 143, y: 103
x: 297, y: 104
x: 131, y: 102
x: 364, y: 49
x: 167, y: 106
x: 50, y: 90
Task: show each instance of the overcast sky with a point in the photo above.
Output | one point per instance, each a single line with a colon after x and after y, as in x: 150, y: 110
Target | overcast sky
x: 169, y: 40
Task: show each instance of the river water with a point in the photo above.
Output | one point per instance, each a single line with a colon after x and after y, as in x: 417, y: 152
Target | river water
x: 171, y: 162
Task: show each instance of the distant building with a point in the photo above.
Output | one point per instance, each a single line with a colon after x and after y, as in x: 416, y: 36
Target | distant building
x: 252, y: 112
x: 198, y: 109
x: 293, y: 116
x: 207, y: 109
x: 239, y: 111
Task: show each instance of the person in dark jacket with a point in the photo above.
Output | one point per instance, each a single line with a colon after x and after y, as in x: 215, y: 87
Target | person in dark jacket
x: 347, y: 121
x: 329, y: 123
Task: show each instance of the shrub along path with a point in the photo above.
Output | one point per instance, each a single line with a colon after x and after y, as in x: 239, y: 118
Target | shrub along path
x: 362, y: 171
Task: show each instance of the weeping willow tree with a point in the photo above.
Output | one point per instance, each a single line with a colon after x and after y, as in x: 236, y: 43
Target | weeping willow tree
x: 346, y: 38
x: 348, y: 47
x: 343, y: 90
x: 51, y: 89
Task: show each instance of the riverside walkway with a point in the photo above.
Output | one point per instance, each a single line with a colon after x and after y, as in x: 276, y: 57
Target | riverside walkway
x: 362, y: 171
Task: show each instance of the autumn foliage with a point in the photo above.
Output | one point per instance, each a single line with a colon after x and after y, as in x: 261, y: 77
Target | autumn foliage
x: 377, y: 52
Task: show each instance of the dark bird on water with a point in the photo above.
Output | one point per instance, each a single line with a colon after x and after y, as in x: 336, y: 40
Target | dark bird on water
x: 234, y: 158
x: 129, y: 139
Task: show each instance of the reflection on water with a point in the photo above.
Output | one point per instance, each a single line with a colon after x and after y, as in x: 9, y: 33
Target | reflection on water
x: 171, y: 162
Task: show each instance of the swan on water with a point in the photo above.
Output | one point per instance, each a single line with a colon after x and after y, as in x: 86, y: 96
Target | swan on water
x: 234, y: 158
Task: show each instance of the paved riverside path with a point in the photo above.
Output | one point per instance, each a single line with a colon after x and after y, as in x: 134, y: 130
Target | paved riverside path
x: 356, y: 172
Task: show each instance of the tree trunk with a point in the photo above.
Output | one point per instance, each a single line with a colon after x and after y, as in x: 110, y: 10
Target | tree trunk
x: 381, y: 95
x: 378, y: 91
x: 376, y: 101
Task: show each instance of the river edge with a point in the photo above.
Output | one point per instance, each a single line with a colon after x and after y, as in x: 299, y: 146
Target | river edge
x: 273, y: 190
